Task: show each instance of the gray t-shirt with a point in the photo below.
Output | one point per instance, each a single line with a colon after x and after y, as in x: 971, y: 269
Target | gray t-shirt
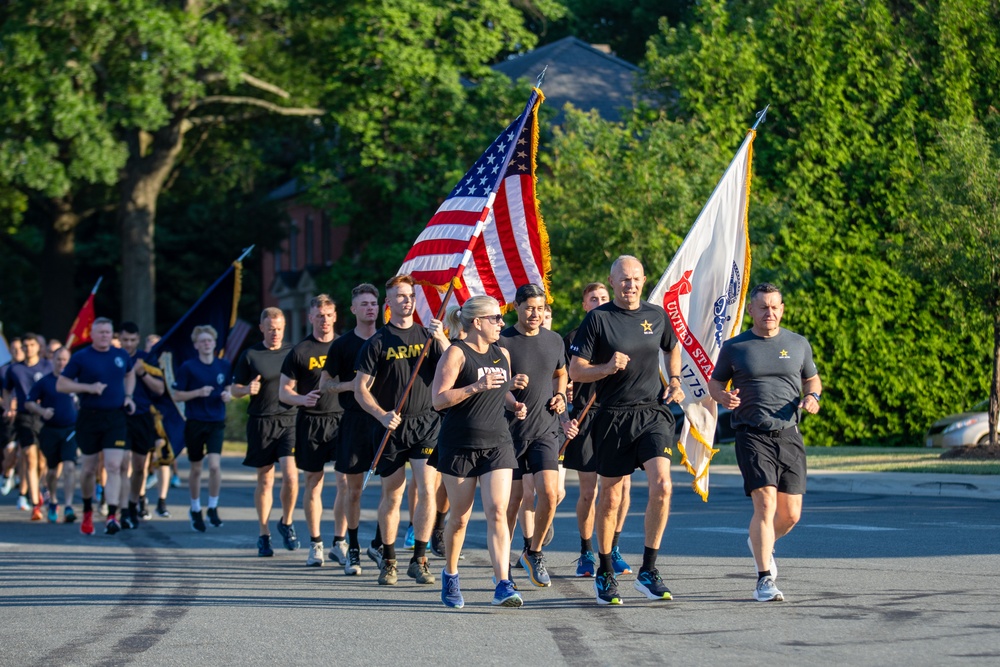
x: 769, y: 373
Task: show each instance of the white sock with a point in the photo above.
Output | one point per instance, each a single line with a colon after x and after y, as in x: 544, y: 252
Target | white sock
x: 196, y: 505
x: 213, y: 502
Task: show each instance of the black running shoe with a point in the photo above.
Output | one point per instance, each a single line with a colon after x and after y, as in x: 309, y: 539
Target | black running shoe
x: 111, y: 527
x: 144, y: 509
x: 161, y: 509
x: 606, y: 587
x: 288, y: 535
x: 127, y: 523
x: 197, y: 522
x: 213, y: 517
x: 437, y: 543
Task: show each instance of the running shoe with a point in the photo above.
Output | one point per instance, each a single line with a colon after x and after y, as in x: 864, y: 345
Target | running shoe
x: 103, y: 508
x: 23, y: 504
x: 451, y: 591
x: 213, y: 518
x: 338, y: 552
x: 388, y: 574
x: 506, y: 595
x: 766, y: 591
x: 111, y: 527
x: 264, y: 549
x: 650, y: 584
x: 197, y: 522
x: 437, y: 543
x: 53, y: 513
x: 353, y: 564
x: 144, y: 509
x: 175, y: 482
x: 419, y: 571
x: 288, y: 535
x: 161, y: 509
x: 36, y: 513
x: 549, y: 535
x: 534, y: 565
x: 375, y: 555
x: 69, y: 516
x: 8, y: 485
x: 150, y: 482
x: 773, y: 568
x: 127, y: 522
x: 511, y: 580
x: 606, y: 587
x: 621, y: 567
x: 586, y: 565
x: 87, y: 525
x: 408, y: 541
x: 315, y: 558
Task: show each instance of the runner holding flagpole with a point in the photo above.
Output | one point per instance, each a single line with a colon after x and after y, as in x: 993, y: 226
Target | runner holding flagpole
x: 494, y: 200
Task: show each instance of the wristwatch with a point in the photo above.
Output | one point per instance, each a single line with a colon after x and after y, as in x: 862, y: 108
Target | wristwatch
x: 814, y: 395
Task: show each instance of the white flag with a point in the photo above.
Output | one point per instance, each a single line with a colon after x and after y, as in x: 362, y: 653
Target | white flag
x: 703, y: 291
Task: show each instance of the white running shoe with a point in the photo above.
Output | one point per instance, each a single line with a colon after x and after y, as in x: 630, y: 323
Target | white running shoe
x: 766, y: 591
x: 338, y: 552
x: 315, y: 558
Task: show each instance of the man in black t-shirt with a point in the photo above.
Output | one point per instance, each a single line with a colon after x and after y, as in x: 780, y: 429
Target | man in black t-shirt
x: 354, y: 450
x: 618, y: 347
x: 538, y: 363
x: 270, y: 429
x: 384, y: 367
x: 318, y: 422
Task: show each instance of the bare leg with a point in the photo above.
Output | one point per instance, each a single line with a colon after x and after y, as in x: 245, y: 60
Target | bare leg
x: 393, y: 487
x: 88, y: 480
x: 495, y: 490
x: 624, y: 506
x: 312, y: 501
x: 214, y: 474
x: 514, y: 504
x: 355, y: 484
x: 547, y: 492
x: 462, y: 492
x: 69, y: 482
x: 116, y: 465
x: 526, y: 512
x: 585, y: 504
x: 340, y: 504
x: 263, y: 498
x: 194, y: 480
x: 289, y: 489
x: 658, y: 506
x: 606, y: 519
x: 425, y: 480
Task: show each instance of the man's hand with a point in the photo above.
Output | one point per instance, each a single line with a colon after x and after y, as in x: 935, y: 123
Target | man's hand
x: 226, y: 396
x: 730, y: 399
x: 557, y: 404
x: 48, y: 413
x: 98, y: 388
x: 618, y: 362
x: 129, y: 405
x: 809, y: 404
x: 571, y: 428
x: 490, y: 381
x: 520, y: 382
x: 207, y: 390
x: 254, y: 386
x: 673, y: 394
x: 391, y: 420
x: 520, y: 410
x: 311, y: 399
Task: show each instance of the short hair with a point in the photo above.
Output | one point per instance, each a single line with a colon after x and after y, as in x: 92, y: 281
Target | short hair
x: 396, y: 281
x: 271, y: 313
x: 548, y: 308
x: 31, y: 336
x: 129, y: 328
x: 364, y: 288
x: 764, y: 288
x: 626, y: 258
x: 321, y: 301
x: 529, y: 291
x: 593, y: 287
x: 204, y: 329
x: 63, y: 348
x: 103, y: 320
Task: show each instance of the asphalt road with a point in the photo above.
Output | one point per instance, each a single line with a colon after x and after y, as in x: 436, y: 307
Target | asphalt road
x: 868, y: 579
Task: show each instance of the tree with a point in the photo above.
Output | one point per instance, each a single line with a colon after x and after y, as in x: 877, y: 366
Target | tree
x: 955, y: 236
x: 106, y: 94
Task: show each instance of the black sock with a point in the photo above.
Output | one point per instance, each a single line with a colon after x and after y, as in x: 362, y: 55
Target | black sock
x: 112, y: 510
x: 338, y: 540
x: 352, y: 534
x: 761, y: 575
x: 133, y: 509
x: 614, y: 540
x: 377, y: 542
x: 534, y: 554
x: 317, y: 538
x: 439, y: 520
x: 586, y: 545
x: 649, y: 558
x: 88, y: 504
x: 419, y: 550
x: 604, y: 564
x: 389, y: 552
x: 527, y: 542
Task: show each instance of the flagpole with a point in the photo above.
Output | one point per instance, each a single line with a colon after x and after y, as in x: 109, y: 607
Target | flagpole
x: 93, y: 292
x: 579, y: 420
x: 459, y: 270
x: 246, y: 251
x: 761, y: 117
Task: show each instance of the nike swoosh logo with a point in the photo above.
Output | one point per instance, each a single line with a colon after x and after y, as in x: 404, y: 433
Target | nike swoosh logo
x: 496, y: 361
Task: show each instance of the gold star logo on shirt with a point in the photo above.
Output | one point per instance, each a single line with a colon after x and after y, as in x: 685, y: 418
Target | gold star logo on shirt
x: 784, y: 354
x: 647, y: 326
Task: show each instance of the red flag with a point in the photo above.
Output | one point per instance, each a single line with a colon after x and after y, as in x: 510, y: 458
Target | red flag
x: 515, y: 246
x: 79, y: 333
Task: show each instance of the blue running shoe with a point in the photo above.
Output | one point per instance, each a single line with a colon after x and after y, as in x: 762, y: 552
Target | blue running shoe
x: 586, y: 565
x: 651, y: 585
x: 621, y: 567
x: 409, y: 539
x: 264, y: 549
x: 534, y: 565
x: 506, y: 595
x: 451, y: 592
x: 288, y: 535
x: 53, y: 513
x: 606, y: 587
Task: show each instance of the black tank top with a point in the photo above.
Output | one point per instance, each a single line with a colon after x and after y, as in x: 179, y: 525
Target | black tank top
x: 478, y: 422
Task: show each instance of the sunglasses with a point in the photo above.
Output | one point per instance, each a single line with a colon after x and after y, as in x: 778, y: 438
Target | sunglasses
x: 495, y: 319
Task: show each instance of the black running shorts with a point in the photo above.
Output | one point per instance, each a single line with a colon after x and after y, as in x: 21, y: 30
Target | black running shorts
x: 474, y: 462
x: 776, y: 458
x: 26, y: 428
x: 414, y: 439
x: 316, y: 440
x: 269, y: 439
x: 579, y: 454
x: 203, y: 438
x: 625, y: 438
x: 141, y: 433
x: 97, y: 430
x: 536, y: 455
x: 355, y: 450
x: 58, y: 444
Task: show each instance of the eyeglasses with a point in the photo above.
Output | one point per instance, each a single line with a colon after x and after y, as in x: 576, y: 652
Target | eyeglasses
x: 495, y: 319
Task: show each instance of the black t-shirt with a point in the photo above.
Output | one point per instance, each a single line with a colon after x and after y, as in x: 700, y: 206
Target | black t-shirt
x: 305, y: 365
x: 340, y: 363
x: 258, y: 360
x: 478, y: 422
x: 640, y: 334
x: 582, y: 391
x: 390, y: 356
x: 538, y: 357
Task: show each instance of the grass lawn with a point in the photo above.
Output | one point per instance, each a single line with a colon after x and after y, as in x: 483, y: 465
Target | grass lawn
x: 878, y: 459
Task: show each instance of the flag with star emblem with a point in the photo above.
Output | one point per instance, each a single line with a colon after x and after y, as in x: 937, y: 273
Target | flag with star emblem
x: 487, y: 236
x: 703, y: 291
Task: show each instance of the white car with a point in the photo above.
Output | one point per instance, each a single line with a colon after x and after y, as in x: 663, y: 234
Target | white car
x: 964, y: 428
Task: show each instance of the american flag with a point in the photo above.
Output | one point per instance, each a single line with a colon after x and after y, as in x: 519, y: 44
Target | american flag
x: 514, y: 248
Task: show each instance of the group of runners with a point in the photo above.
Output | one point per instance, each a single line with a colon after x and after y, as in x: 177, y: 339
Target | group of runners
x: 490, y: 406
